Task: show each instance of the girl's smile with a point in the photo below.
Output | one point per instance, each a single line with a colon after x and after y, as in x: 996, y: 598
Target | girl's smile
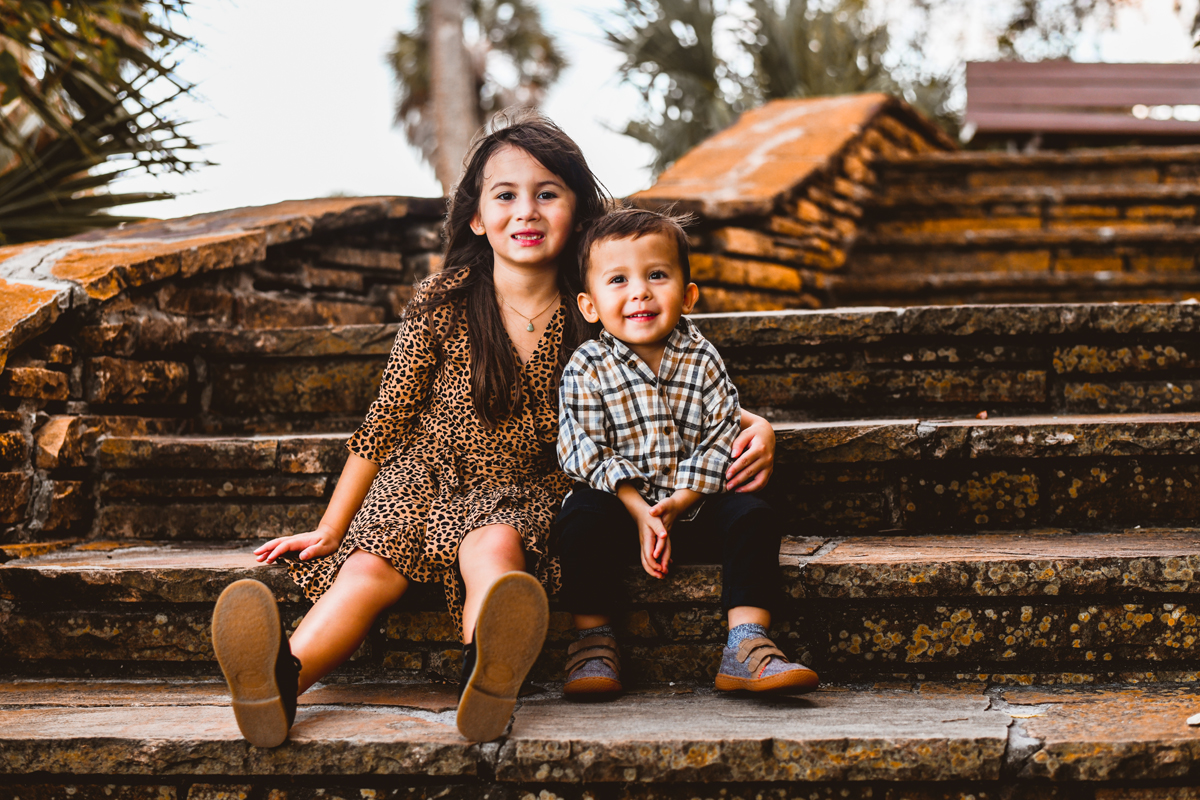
x: 525, y: 210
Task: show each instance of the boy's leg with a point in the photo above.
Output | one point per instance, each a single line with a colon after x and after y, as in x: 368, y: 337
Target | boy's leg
x: 596, y: 542
x: 748, y: 533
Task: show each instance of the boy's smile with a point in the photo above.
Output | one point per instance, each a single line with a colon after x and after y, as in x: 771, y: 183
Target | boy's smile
x: 635, y: 289
x: 526, y: 211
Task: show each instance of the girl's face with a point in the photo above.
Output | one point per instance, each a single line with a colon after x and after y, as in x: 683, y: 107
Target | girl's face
x: 525, y: 210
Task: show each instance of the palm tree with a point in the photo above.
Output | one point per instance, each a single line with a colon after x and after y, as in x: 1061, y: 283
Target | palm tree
x: 670, y: 56
x: 85, y: 94
x: 512, y: 60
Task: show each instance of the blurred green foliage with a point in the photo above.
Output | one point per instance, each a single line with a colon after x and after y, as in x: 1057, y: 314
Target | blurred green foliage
x: 86, y: 88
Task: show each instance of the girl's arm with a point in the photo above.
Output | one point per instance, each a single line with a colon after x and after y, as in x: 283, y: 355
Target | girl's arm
x: 753, y: 455
x: 347, y: 498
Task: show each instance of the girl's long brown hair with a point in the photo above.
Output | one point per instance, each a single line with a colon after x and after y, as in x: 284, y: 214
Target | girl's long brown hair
x: 495, y: 375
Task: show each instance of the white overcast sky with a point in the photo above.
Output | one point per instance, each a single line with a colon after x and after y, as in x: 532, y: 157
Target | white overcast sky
x: 296, y: 101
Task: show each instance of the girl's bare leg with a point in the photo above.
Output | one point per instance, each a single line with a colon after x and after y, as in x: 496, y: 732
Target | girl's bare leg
x: 340, y: 620
x: 483, y: 556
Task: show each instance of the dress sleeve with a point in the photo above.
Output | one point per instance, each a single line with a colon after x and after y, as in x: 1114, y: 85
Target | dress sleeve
x: 704, y: 470
x: 583, y: 435
x: 403, y: 392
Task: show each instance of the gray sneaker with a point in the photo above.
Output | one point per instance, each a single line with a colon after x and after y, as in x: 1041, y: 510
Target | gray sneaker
x: 757, y: 665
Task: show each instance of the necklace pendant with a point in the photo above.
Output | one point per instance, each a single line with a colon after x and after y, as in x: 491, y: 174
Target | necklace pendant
x: 529, y: 327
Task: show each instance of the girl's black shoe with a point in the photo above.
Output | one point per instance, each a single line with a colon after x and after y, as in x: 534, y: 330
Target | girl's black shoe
x: 508, y: 638
x: 262, y: 673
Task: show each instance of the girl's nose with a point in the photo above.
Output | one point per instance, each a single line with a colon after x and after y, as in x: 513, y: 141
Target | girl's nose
x: 528, y: 210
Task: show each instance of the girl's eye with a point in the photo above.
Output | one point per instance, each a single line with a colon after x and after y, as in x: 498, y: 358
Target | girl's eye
x: 505, y: 196
x: 547, y: 195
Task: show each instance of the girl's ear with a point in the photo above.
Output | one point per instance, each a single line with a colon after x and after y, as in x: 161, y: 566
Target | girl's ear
x: 690, y: 295
x: 587, y: 307
x: 477, y: 224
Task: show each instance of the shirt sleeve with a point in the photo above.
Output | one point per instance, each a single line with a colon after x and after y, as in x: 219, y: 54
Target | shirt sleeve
x: 704, y: 470
x: 403, y: 392
x: 583, y: 438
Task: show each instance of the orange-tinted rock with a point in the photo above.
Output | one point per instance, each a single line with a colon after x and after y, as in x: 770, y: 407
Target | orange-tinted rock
x: 35, y: 383
x: 12, y: 447
x: 14, y: 496
x: 119, y: 380
x: 67, y: 504
x: 25, y: 311
x: 768, y: 152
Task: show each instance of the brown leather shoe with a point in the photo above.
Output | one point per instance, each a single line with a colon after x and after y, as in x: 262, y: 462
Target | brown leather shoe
x: 757, y: 665
x: 602, y: 677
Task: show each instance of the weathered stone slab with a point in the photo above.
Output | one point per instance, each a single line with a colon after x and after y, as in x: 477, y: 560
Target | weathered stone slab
x: 296, y: 386
x: 1099, y: 359
x: 63, y: 504
x: 825, y: 736
x: 120, y: 380
x: 14, y: 496
x: 206, y: 453
x: 1124, y: 397
x: 34, y: 382
x: 216, y: 521
x: 865, y: 440
x: 339, y: 340
x: 13, y: 448
x: 204, y: 740
x: 1080, y: 742
x: 86, y: 791
x: 1021, y: 564
x: 870, y: 389
x: 1042, y: 632
x: 25, y: 310
x: 312, y: 454
x: 242, y: 486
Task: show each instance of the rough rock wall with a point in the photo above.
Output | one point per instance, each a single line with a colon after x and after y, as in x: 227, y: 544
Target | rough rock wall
x: 134, y: 330
x: 779, y: 195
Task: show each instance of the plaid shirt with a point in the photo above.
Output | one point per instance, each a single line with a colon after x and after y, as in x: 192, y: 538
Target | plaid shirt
x: 618, y: 422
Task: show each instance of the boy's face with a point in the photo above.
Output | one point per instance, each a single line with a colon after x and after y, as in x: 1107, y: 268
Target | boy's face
x: 635, y: 289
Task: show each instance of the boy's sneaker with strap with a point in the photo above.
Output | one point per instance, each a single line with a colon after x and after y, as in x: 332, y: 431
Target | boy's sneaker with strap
x: 757, y: 665
x: 593, y: 668
x: 253, y: 651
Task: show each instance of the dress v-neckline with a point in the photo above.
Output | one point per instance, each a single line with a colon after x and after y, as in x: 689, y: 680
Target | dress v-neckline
x: 540, y: 342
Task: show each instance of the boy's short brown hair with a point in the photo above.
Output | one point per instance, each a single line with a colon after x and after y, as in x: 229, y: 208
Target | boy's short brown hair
x: 634, y: 223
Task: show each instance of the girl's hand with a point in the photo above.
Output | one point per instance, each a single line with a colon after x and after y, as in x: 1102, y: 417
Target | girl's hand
x: 314, y: 544
x: 753, y: 455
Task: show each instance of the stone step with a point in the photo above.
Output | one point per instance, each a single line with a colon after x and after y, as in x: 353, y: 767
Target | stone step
x: 857, y: 476
x: 1127, y: 166
x: 925, y: 201
x: 1100, y: 248
x: 178, y: 740
x: 997, y: 287
x: 832, y: 364
x: 1044, y: 607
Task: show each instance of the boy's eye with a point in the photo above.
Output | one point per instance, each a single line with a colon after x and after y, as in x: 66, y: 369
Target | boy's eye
x: 657, y: 274
x: 617, y: 279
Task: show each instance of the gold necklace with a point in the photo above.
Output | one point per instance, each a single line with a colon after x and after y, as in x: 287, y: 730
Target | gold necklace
x: 529, y: 327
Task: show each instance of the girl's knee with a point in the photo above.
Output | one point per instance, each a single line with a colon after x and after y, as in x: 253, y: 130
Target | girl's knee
x: 492, y: 543
x: 362, y: 565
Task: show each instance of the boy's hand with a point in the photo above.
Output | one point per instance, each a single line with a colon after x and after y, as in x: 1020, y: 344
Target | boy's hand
x: 655, y: 544
x: 669, y: 509
x: 314, y: 544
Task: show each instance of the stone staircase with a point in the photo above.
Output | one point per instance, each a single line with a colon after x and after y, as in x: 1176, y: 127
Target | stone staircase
x: 982, y: 596
x: 1082, y: 225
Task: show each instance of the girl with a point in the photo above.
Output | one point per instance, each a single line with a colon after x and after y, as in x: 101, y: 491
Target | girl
x: 453, y: 475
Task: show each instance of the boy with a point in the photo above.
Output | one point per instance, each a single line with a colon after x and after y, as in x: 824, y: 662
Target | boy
x: 647, y: 419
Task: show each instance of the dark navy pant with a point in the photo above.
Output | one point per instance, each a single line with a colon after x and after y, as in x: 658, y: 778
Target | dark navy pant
x: 597, y: 541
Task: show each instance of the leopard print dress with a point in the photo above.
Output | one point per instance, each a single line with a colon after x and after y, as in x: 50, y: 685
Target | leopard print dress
x: 442, y: 472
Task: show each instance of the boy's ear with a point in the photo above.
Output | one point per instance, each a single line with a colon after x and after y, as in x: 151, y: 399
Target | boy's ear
x: 587, y: 307
x: 477, y: 225
x: 690, y: 295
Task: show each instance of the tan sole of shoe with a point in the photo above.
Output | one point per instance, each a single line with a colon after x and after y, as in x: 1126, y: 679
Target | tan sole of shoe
x: 592, y: 687
x: 796, y: 681
x: 509, y: 635
x: 246, y: 634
